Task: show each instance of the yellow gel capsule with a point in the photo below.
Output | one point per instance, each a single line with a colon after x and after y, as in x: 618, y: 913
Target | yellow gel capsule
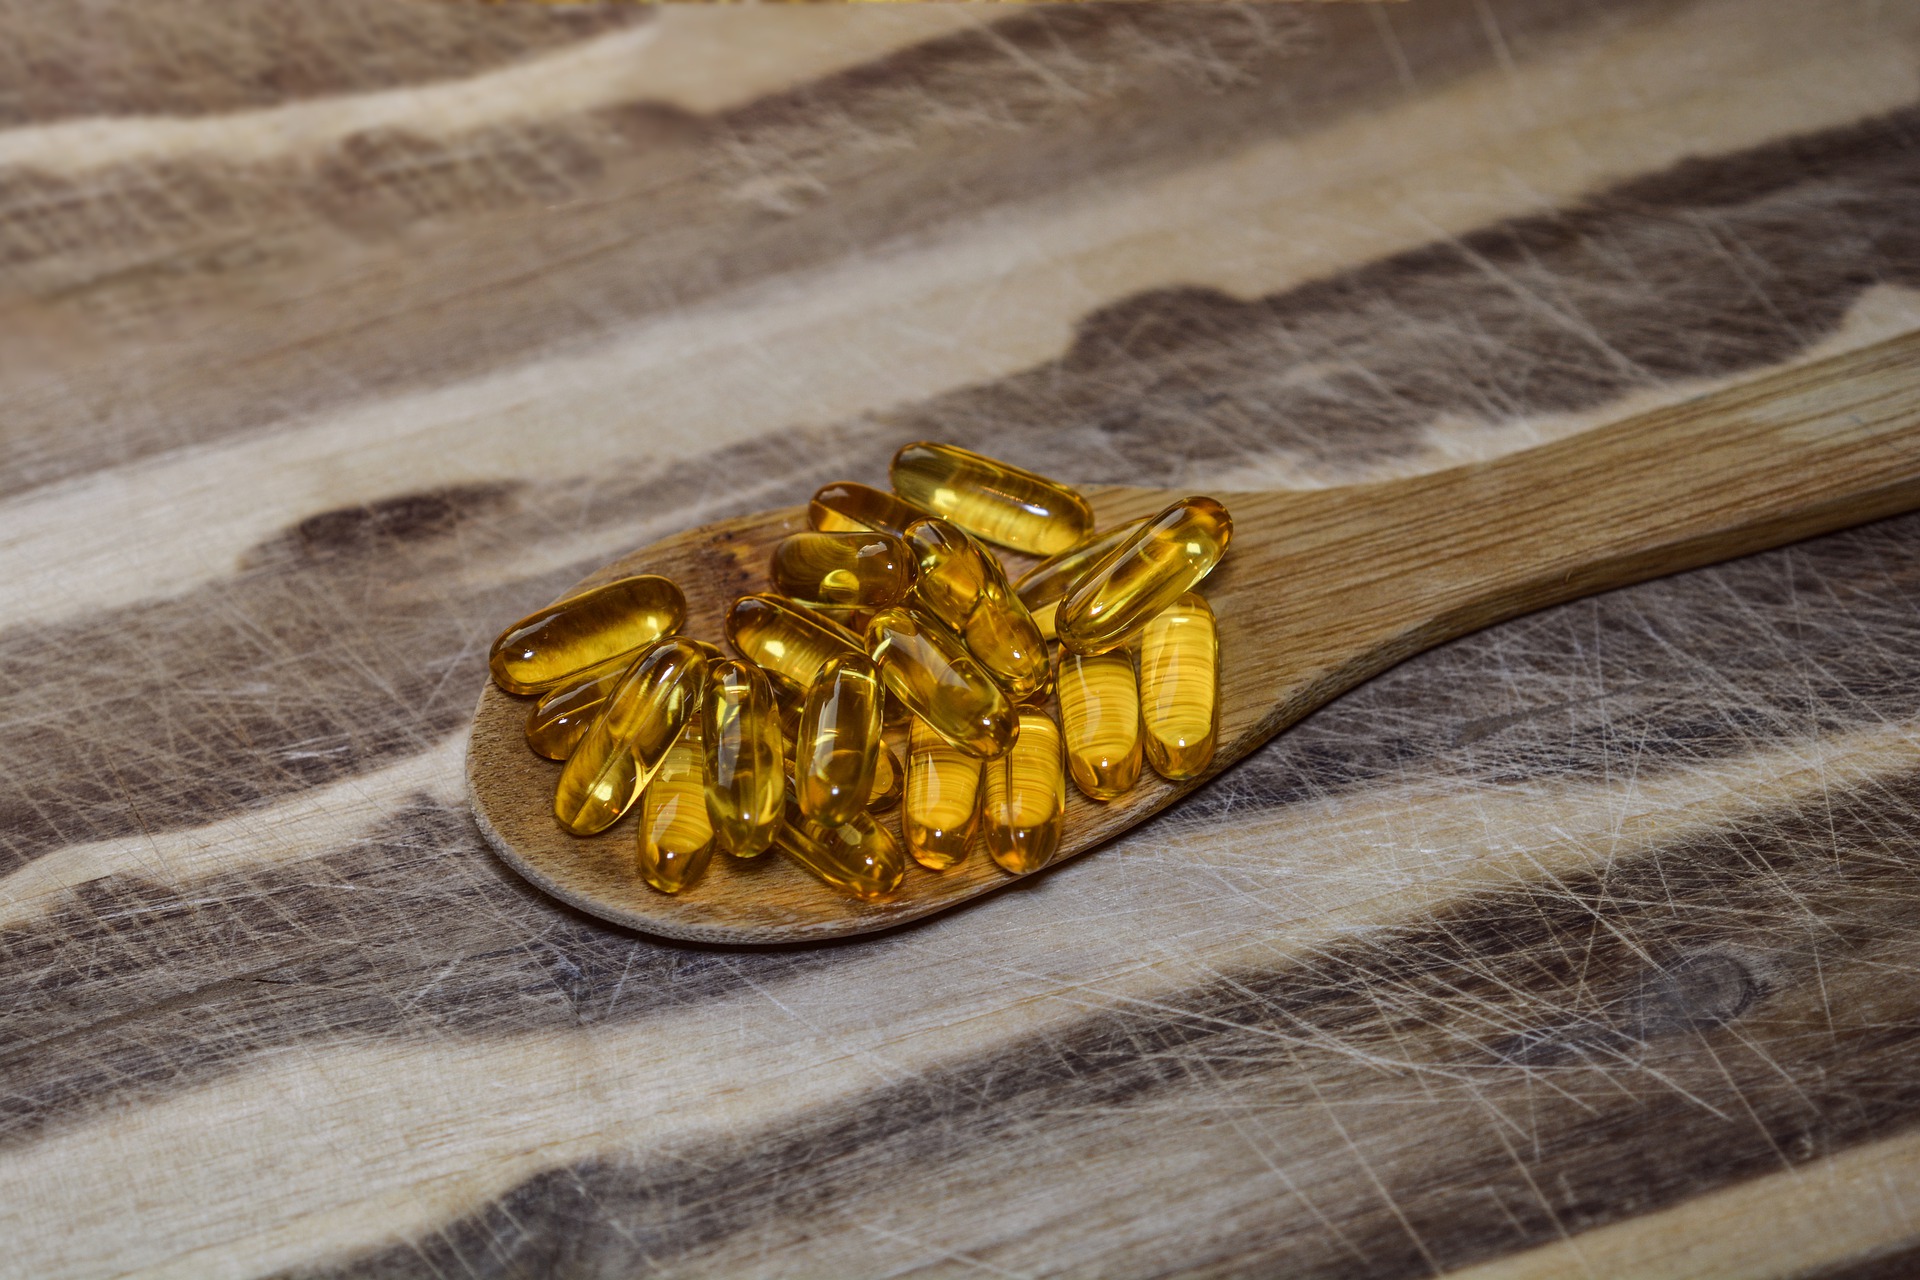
x: 560, y: 719
x: 838, y: 746
x: 962, y: 584
x: 927, y: 668
x: 621, y: 749
x: 942, y: 801
x: 676, y: 837
x: 863, y: 569
x: 1143, y: 575
x: 787, y: 639
x: 887, y: 781
x: 546, y: 647
x: 993, y: 500
x: 746, y: 778
x: 1100, y: 712
x: 1043, y: 619
x: 860, y: 857
x: 1025, y: 798
x: 1180, y: 687
x: 1051, y: 579
x: 841, y: 615
x: 847, y: 507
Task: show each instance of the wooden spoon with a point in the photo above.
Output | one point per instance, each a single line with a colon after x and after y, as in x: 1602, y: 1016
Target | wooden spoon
x: 1321, y: 590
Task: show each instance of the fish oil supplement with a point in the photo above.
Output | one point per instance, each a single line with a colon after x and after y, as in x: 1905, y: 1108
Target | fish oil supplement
x: 962, y: 584
x: 860, y: 857
x: 1180, y: 687
x: 861, y: 569
x: 676, y: 836
x: 852, y: 618
x: 995, y: 501
x: 844, y: 506
x: 746, y: 783
x: 1051, y: 579
x: 838, y: 745
x: 927, y: 668
x: 547, y: 646
x: 942, y: 801
x: 560, y: 719
x: 1159, y: 563
x: 787, y: 639
x: 888, y: 781
x: 1100, y: 714
x: 1024, y: 797
x: 1043, y: 619
x: 622, y: 748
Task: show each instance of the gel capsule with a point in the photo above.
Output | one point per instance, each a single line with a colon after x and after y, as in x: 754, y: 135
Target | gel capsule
x: 844, y: 507
x: 1026, y: 798
x: 1179, y: 687
x: 927, y: 668
x: 644, y: 714
x: 962, y: 584
x: 560, y: 719
x: 888, y: 782
x: 676, y: 837
x: 837, y: 749
x: 942, y: 801
x: 860, y: 857
x: 993, y: 500
x: 787, y: 639
x: 1051, y: 579
x: 1143, y: 575
x: 1100, y: 712
x: 546, y: 647
x: 860, y: 569
x: 746, y: 779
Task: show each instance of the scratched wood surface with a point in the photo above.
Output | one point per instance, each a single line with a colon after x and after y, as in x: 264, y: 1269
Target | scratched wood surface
x: 332, y: 336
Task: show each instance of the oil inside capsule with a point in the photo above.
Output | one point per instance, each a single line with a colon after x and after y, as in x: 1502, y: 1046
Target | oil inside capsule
x: 560, y: 719
x: 676, y: 837
x: 861, y: 569
x: 942, y: 802
x: 888, y: 781
x: 929, y: 670
x: 996, y: 501
x: 962, y: 584
x: 547, y: 646
x: 1180, y: 687
x: 1100, y: 714
x: 860, y: 857
x: 745, y: 777
x: 838, y: 746
x: 845, y: 506
x: 643, y: 715
x: 1162, y: 561
x: 1051, y: 579
x: 787, y: 639
x: 1025, y: 798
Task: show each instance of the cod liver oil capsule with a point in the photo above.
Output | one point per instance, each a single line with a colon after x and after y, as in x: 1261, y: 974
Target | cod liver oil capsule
x: 888, y: 781
x: 962, y: 584
x: 676, y: 837
x: 847, y: 507
x: 927, y: 668
x: 1100, y: 714
x: 560, y: 719
x: 618, y: 617
x: 1180, y: 687
x: 1025, y: 798
x: 1051, y: 579
x: 838, y: 746
x: 1162, y: 561
x: 942, y: 802
x: 644, y: 714
x: 787, y: 639
x: 996, y: 501
x: 860, y: 857
x: 746, y: 776
x: 862, y: 569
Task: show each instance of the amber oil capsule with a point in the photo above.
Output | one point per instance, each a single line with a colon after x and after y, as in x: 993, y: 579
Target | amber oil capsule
x: 547, y: 646
x: 838, y: 746
x: 560, y: 719
x: 1180, y: 687
x: 845, y: 506
x: 862, y: 569
x: 1100, y: 715
x: 625, y: 744
x: 1051, y: 579
x: 942, y: 802
x: 888, y: 781
x: 745, y: 776
x: 961, y: 583
x: 676, y: 836
x: 860, y: 857
x: 1162, y: 561
x: 1025, y: 797
x: 996, y: 501
x: 928, y: 668
x: 787, y: 639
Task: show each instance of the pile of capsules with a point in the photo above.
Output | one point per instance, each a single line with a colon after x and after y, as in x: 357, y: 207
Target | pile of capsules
x: 891, y: 608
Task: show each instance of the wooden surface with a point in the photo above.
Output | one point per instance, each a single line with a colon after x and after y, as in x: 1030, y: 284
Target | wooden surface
x: 1581, y: 945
